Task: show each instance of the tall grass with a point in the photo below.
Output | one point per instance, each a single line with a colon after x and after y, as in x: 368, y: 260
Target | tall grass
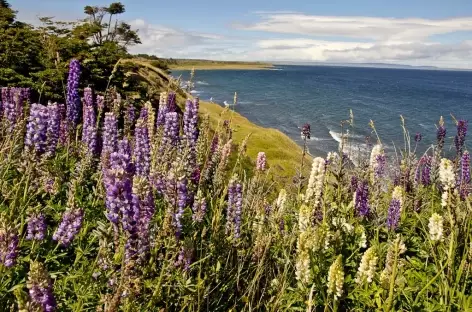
x: 157, y: 211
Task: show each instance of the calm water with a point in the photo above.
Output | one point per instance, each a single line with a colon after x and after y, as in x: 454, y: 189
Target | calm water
x: 290, y: 96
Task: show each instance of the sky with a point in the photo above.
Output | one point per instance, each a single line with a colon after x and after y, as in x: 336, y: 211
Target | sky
x: 411, y: 32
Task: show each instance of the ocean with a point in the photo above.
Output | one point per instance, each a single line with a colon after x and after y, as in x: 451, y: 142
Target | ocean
x: 287, y: 97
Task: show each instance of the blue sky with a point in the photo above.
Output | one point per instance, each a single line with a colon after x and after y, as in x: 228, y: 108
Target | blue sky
x: 402, y: 32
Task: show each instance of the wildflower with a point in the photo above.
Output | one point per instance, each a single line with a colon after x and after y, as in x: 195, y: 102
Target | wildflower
x: 418, y: 137
x: 100, y: 103
x: 234, y: 208
x: 73, y: 98
x: 377, y: 162
x: 336, y: 278
x: 162, y: 111
x: 459, y: 139
x: 361, y: 199
x: 354, y: 182
x: 304, y: 245
x: 41, y: 288
x: 171, y: 101
x: 224, y: 155
x: 315, y: 183
x: 393, y: 214
x: 8, y: 246
x: 150, y: 118
x: 441, y: 133
x: 53, y: 127
x: 36, y: 229
x: 118, y: 186
x: 306, y: 132
x: 426, y: 173
x: 213, y: 159
x: 367, y: 267
x: 69, y: 226
x: 261, y: 162
x: 89, y: 130
x: 281, y: 199
x: 181, y: 204
x: 304, y: 217
x: 36, y: 129
x: 110, y: 134
x: 171, y: 129
x: 142, y: 148
x: 465, y: 168
x: 363, y: 237
x: 199, y: 208
x: 129, y: 118
x: 191, y: 123
x: 446, y: 174
x: 435, y: 226
x: 184, y: 259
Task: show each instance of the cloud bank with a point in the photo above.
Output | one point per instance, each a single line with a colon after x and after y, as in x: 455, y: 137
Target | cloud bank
x: 290, y: 36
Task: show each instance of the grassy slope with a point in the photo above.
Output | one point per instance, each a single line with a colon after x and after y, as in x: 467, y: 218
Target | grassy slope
x: 283, y: 154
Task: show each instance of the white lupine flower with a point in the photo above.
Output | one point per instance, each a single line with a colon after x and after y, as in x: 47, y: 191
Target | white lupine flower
x: 336, y: 278
x: 367, y: 266
x: 446, y: 174
x: 376, y: 151
x: 304, y: 217
x: 281, y: 199
x: 436, y: 227
x: 315, y: 183
x: 363, y: 238
x: 444, y: 197
x: 302, y: 267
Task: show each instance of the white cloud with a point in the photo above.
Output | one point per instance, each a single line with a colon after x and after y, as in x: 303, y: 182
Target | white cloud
x: 345, y: 39
x: 358, y: 27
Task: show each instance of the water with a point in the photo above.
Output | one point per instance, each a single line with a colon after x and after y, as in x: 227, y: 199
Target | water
x: 322, y: 96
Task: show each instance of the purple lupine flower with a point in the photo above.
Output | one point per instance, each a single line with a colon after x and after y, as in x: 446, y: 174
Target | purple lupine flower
x: 261, y: 162
x: 89, y: 130
x: 8, y: 247
x: 171, y: 104
x: 110, y: 134
x: 238, y: 203
x: 191, y: 123
x: 393, y: 214
x: 130, y: 116
x: 418, y: 137
x: 426, y: 172
x: 144, y: 113
x: 36, y: 129
x: 158, y: 183
x: 306, y: 131
x: 53, y: 127
x: 267, y: 211
x: 199, y: 209
x: 184, y: 259
x: 19, y: 96
x: 4, y: 99
x: 118, y: 186
x: 69, y: 227
x: 40, y: 288
x: 459, y: 139
x: 36, y: 229
x: 171, y: 129
x: 142, y: 148
x: 213, y: 159
x: 230, y: 206
x: 441, y: 135
x: 361, y: 199
x: 9, y: 108
x: 73, y: 98
x: 196, y: 103
x: 380, y: 165
x: 465, y: 168
x: 161, y: 114
x: 63, y: 127
x: 182, y: 193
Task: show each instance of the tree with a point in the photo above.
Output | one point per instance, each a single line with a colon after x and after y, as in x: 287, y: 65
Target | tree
x: 112, y: 31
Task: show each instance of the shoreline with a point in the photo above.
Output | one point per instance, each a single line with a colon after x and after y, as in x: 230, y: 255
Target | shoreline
x: 223, y: 67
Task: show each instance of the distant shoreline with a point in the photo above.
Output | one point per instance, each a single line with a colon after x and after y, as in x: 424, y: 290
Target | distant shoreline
x: 221, y: 66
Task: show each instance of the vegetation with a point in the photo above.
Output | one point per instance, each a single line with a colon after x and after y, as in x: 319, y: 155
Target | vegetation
x: 122, y: 200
